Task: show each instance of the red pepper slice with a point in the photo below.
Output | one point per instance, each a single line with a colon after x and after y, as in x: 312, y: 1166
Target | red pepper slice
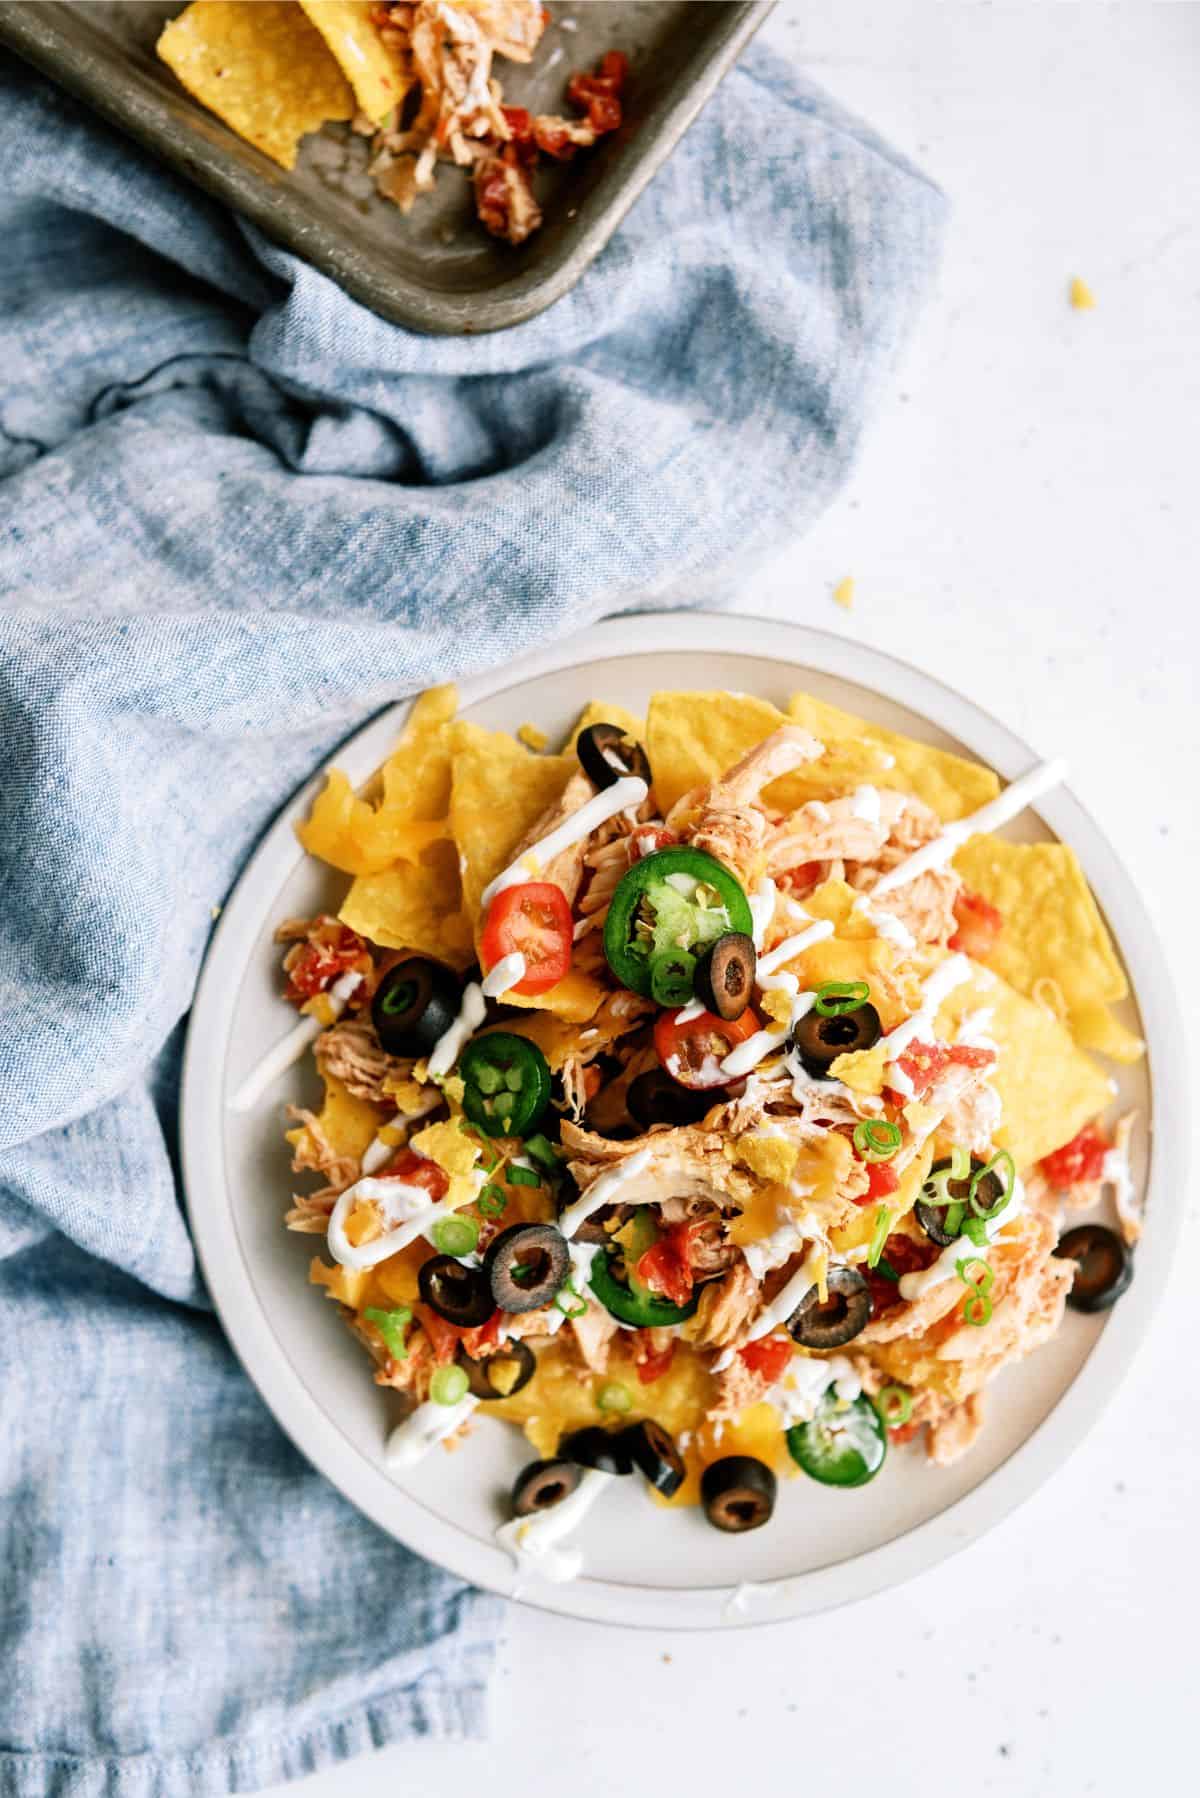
x: 1079, y: 1160
x: 924, y: 1063
x: 533, y: 920
x: 692, y: 1052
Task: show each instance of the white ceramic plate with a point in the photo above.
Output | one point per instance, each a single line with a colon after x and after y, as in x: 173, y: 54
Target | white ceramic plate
x: 645, y: 1565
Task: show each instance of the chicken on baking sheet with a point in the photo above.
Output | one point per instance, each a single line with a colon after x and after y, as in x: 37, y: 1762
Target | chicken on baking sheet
x: 692, y: 1098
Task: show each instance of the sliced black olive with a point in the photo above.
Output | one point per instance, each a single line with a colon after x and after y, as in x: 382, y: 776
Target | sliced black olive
x: 502, y: 1373
x: 460, y: 1294
x: 725, y: 975
x: 932, y: 1217
x: 738, y: 1493
x: 605, y: 1450
x: 656, y: 1455
x: 526, y: 1265
x: 542, y: 1484
x: 600, y: 741
x: 828, y: 1323
x: 654, y: 1098
x: 415, y: 1003
x: 1103, y: 1266
x: 819, y: 1041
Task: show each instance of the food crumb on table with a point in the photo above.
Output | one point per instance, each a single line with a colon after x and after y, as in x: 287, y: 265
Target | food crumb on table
x: 843, y: 593
x: 1082, y: 297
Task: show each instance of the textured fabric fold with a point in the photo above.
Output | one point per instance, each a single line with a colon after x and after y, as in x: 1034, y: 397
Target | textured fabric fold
x: 238, y: 513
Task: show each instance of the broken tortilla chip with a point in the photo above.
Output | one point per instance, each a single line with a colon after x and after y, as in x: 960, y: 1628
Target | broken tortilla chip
x: 378, y: 75
x: 498, y: 792
x: 1052, y: 931
x: 414, y: 905
x: 264, y: 69
x: 858, y: 752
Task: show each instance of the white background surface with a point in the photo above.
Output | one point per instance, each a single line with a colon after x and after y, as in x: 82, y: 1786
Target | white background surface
x: 1024, y: 524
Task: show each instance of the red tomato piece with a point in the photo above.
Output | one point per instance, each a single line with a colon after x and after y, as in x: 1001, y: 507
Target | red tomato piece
x: 444, y: 1338
x: 692, y: 1053
x: 533, y: 920
x: 651, y: 1363
x: 800, y: 880
x: 483, y: 1336
x: 882, y: 1180
x: 417, y: 1170
x: 648, y: 839
x: 313, y: 967
x: 768, y: 1356
x: 979, y: 924
x: 900, y: 1433
x: 554, y: 140
x: 613, y: 68
x: 1077, y: 1161
x: 924, y: 1063
x: 519, y: 122
x: 666, y: 1265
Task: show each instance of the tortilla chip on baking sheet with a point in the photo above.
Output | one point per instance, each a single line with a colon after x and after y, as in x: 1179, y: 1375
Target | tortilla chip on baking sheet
x: 1053, y: 938
x: 263, y: 68
x: 349, y: 832
x: 378, y: 76
x: 1048, y: 1087
x: 856, y: 753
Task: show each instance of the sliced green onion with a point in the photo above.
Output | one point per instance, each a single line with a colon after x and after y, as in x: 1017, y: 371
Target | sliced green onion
x: 672, y: 974
x: 877, y: 1139
x: 521, y: 1176
x: 952, y: 1222
x: 883, y: 1223
x: 894, y: 1404
x: 936, y: 1190
x: 978, y: 1309
x: 448, y: 1385
x: 569, y: 1301
x: 543, y: 1151
x: 492, y: 1201
x: 836, y: 997
x: 391, y: 1326
x: 1005, y: 1170
x: 455, y: 1235
x: 975, y: 1230
x: 613, y: 1397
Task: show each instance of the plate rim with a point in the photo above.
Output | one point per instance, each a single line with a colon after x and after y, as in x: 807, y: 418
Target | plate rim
x: 376, y: 1494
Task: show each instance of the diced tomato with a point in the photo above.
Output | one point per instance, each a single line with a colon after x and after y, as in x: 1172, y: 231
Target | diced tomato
x: 483, y: 1336
x: 554, y: 140
x: 614, y: 68
x: 900, y: 1433
x: 979, y: 924
x: 924, y: 1063
x: 651, y: 1363
x: 882, y: 1179
x: 692, y: 1053
x: 768, y: 1356
x: 598, y: 94
x: 648, y: 839
x: 800, y: 880
x: 533, y: 920
x: 444, y: 1338
x: 313, y: 967
x: 417, y: 1170
x: 1077, y: 1161
x: 904, y: 1255
x: 666, y: 1265
x: 519, y: 121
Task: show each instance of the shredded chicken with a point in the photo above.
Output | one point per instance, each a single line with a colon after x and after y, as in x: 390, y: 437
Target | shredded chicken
x: 726, y: 1307
x: 315, y: 1154
x: 350, y: 1051
x: 594, y: 1332
x: 956, y: 1432
x: 837, y: 829
x: 724, y: 819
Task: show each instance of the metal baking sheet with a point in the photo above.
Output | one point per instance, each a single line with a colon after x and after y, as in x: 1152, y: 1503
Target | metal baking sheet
x: 436, y: 269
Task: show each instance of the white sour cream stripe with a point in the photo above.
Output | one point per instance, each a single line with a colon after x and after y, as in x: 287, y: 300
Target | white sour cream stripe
x: 792, y: 946
x: 756, y: 1048
x: 624, y: 795
x: 534, y: 1541
x: 601, y: 1192
x: 991, y: 816
x: 508, y: 972
x: 428, y: 1425
x: 941, y: 983
x: 762, y: 909
x: 396, y: 1199
x: 449, y: 1045
x: 289, y: 1049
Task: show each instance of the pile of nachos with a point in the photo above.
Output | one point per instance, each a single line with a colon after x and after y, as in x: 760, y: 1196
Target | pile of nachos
x: 704, y: 1097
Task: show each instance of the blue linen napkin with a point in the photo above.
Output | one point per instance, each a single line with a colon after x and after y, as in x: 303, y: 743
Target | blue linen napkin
x: 238, y: 513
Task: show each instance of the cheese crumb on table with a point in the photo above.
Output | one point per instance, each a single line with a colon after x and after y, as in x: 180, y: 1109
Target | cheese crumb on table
x: 844, y: 593
x: 1082, y: 297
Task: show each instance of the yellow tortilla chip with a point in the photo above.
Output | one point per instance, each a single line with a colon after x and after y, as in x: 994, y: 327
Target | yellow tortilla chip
x: 861, y: 1227
x: 603, y: 711
x: 856, y: 752
x: 351, y: 834
x: 692, y: 738
x: 262, y: 68
x: 1052, y: 931
x: 533, y: 737
x: 498, y: 791
x: 415, y: 906
x: 455, y: 1152
x: 416, y: 776
x: 346, y: 1123
x: 1049, y: 1088
x: 379, y: 78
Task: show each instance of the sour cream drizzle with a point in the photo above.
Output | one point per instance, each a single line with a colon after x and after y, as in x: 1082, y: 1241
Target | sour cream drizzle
x: 756, y: 1048
x: 941, y: 983
x: 762, y: 909
x: 449, y: 1045
x: 865, y: 804
x: 601, y: 1191
x: 397, y: 1200
x: 428, y: 1425
x: 998, y: 811
x: 534, y: 1541
x: 508, y: 972
x: 780, y: 1308
x: 291, y: 1047
x: 625, y: 794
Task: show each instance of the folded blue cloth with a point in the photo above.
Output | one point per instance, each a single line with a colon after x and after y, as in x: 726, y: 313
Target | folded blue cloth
x: 238, y: 513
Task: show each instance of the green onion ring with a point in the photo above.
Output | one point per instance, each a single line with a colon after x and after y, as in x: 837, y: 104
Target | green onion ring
x: 877, y: 1139
x: 448, y: 1385
x: 894, y: 1404
x: 836, y: 997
